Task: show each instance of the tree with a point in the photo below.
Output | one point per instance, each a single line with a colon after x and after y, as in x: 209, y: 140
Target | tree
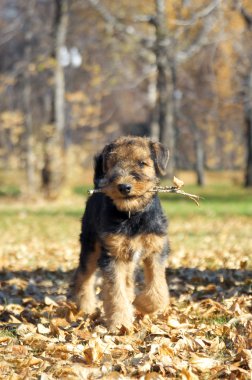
x: 59, y: 41
x: 165, y: 85
x: 54, y: 143
x: 152, y: 67
x: 30, y: 159
x: 248, y: 102
x: 168, y: 55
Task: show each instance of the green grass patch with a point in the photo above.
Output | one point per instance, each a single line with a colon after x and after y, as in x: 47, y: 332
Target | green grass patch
x: 61, y: 219
x: 216, y: 200
x: 10, y: 191
x: 8, y: 333
x: 216, y: 320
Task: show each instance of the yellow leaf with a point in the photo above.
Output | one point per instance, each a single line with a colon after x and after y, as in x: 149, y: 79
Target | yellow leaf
x: 178, y: 182
x: 42, y: 329
x: 202, y: 363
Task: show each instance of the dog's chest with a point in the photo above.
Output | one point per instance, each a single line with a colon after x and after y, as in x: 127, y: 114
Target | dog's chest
x: 133, y: 248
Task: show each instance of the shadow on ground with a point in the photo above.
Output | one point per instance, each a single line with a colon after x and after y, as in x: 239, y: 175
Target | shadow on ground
x: 20, y: 287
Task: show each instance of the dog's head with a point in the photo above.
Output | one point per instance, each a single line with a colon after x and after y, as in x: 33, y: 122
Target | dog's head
x: 128, y: 168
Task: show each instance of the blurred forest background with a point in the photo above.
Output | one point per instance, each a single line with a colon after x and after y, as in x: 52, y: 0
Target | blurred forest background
x: 75, y: 74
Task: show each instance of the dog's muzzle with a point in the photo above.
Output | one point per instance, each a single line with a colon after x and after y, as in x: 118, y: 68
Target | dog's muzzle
x: 124, y: 188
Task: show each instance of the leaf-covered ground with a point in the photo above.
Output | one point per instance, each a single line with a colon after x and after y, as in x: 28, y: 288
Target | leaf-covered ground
x: 205, y: 334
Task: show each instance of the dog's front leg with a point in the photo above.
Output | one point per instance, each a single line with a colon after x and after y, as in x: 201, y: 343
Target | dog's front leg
x: 155, y: 296
x: 117, y: 306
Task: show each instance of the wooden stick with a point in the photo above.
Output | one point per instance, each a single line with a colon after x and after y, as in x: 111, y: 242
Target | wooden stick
x: 176, y: 190
x: 162, y: 189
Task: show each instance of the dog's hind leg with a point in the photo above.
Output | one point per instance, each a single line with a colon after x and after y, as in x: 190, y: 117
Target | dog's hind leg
x: 84, y: 282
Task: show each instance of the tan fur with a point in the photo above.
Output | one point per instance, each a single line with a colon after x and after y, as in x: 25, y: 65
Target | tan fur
x: 155, y: 296
x: 130, y: 282
x: 84, y: 291
x: 123, y: 247
x: 115, y: 294
x: 125, y: 156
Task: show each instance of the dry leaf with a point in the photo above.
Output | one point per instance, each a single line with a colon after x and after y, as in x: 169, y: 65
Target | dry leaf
x: 178, y: 182
x: 203, y: 363
x: 187, y: 374
x: 49, y: 301
x: 153, y: 376
x: 247, y: 355
x: 93, y: 354
x: 165, y: 350
x: 19, y: 350
x: 174, y: 323
x: 157, y: 330
x: 43, y: 329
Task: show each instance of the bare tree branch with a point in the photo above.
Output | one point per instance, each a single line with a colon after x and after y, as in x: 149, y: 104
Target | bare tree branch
x: 202, y: 40
x: 12, y: 30
x: 247, y: 17
x: 199, y: 15
x: 110, y: 19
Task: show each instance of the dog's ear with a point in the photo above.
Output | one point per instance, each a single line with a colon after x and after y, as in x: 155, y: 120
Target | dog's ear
x: 161, y: 156
x: 98, y: 171
x: 100, y: 166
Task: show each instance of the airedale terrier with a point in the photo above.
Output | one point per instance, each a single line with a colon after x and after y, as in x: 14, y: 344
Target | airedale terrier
x: 121, y: 225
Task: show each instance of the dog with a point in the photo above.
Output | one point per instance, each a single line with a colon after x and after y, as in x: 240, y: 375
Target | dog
x: 123, y: 224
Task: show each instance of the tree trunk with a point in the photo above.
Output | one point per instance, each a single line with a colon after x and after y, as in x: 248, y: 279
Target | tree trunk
x: 165, y: 87
x: 30, y: 170
x: 60, y: 29
x: 54, y: 145
x: 247, y: 17
x: 152, y: 100
x: 199, y: 165
x: 248, y: 120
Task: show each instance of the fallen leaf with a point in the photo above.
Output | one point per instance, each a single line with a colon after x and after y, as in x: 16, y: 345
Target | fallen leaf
x: 43, y: 329
x: 49, y: 301
x: 203, y: 363
x: 178, y: 182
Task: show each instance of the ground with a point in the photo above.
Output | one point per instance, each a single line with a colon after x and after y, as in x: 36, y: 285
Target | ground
x: 205, y: 334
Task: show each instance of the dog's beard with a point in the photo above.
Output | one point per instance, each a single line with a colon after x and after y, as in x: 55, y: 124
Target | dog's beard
x: 133, y: 204
x: 136, y: 201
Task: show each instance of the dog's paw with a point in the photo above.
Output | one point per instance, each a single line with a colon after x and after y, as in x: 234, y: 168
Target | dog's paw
x: 149, y: 303
x: 87, y: 306
x: 120, y: 323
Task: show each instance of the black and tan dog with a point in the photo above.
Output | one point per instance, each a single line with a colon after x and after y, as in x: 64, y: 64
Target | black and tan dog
x: 122, y: 225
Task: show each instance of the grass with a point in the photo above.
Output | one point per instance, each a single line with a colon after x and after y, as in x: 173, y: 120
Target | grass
x: 8, y: 333
x: 216, y: 320
x: 216, y: 200
x: 218, y: 228
x: 10, y: 191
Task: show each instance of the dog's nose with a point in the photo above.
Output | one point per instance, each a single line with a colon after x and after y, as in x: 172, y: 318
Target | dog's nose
x: 124, y: 188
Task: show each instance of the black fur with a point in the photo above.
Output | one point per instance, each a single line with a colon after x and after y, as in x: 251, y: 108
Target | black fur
x: 101, y: 215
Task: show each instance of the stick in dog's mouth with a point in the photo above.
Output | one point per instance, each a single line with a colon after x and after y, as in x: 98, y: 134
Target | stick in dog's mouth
x: 160, y: 189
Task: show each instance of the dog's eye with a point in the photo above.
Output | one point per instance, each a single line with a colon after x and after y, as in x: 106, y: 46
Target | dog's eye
x: 142, y: 164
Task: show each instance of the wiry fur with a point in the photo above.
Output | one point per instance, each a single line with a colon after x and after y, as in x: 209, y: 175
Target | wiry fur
x: 119, y: 228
